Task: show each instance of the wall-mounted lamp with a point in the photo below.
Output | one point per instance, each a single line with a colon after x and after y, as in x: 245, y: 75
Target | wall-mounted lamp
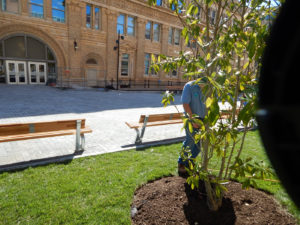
x: 75, y: 45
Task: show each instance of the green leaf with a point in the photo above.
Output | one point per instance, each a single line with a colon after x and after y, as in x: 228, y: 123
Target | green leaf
x: 208, y: 102
x: 200, y: 41
x: 242, y: 87
x: 246, y: 65
x: 191, y: 127
x: 228, y: 137
x: 192, y: 186
x: 208, y: 56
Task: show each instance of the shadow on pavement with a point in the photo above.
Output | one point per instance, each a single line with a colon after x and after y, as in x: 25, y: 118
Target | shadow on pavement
x: 32, y: 100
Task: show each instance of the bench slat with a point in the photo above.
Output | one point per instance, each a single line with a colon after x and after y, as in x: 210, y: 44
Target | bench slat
x: 155, y: 123
x: 161, y: 117
x: 42, y: 135
x: 24, y: 128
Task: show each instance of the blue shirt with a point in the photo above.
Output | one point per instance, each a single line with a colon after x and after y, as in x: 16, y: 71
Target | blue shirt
x: 193, y: 96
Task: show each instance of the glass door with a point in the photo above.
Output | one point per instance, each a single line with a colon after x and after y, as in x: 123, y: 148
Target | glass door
x: 37, y: 73
x: 16, y: 72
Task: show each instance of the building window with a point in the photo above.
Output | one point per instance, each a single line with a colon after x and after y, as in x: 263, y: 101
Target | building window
x: 130, y: 26
x: 125, y: 65
x: 147, y: 64
x: 88, y: 16
x: 91, y: 61
x: 92, y: 20
x: 97, y: 18
x: 36, y: 8
x: 121, y: 24
x: 126, y: 25
x: 15, y: 47
x: 212, y: 16
x: 152, y: 31
x: 159, y: 2
x: 170, y: 38
x: 10, y: 6
x: 174, y: 36
x: 58, y: 10
x: 156, y: 32
x: 179, y: 6
x: 172, y: 73
x: 177, y: 37
x: 148, y: 31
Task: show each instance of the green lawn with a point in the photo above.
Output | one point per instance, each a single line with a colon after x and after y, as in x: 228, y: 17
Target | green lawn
x: 97, y: 190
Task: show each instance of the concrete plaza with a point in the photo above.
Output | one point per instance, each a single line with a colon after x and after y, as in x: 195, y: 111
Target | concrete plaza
x: 105, y: 113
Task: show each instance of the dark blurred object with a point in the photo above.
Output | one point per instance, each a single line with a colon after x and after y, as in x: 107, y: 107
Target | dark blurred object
x: 279, y: 98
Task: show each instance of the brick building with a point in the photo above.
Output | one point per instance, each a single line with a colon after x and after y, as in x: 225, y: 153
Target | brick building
x: 75, y: 42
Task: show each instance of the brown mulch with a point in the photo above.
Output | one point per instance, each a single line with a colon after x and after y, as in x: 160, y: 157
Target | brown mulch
x: 170, y: 200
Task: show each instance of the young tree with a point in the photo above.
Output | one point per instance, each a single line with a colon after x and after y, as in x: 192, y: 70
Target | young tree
x: 226, y: 39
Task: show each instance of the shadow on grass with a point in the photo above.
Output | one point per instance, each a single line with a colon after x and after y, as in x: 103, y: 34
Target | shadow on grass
x: 63, y: 159
x: 145, y: 145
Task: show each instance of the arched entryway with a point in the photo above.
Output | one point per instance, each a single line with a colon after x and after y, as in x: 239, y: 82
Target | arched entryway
x: 94, y: 73
x: 25, y: 59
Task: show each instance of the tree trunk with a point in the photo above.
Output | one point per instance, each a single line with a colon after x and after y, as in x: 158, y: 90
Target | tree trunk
x: 213, y: 202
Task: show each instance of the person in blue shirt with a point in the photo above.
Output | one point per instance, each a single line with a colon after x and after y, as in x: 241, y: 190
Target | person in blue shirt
x: 193, y: 104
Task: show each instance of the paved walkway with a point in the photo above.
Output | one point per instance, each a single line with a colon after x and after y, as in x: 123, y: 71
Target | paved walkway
x: 105, y: 113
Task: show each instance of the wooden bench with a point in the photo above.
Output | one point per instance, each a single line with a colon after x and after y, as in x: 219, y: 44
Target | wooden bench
x: 25, y: 131
x: 153, y: 120
x: 226, y: 113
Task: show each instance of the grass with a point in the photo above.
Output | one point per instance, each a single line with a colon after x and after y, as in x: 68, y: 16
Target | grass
x: 97, y: 190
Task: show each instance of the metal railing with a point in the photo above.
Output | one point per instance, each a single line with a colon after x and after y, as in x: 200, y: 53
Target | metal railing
x: 81, y: 77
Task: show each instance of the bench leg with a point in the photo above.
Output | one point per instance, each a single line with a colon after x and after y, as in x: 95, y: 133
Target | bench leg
x: 82, y: 144
x: 79, y: 137
x: 138, y: 139
x: 139, y: 136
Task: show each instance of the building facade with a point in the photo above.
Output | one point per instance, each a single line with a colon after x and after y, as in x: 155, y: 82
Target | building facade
x: 87, y: 43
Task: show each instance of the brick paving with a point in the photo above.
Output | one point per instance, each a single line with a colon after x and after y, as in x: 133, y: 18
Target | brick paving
x: 105, y: 113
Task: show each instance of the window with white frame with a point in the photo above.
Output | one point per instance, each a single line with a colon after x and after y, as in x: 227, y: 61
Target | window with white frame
x: 36, y: 8
x: 58, y: 10
x: 126, y: 25
x: 10, y: 6
x: 125, y: 64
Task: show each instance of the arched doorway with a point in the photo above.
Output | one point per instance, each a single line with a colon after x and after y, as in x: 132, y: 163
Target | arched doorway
x: 91, y: 72
x: 25, y: 59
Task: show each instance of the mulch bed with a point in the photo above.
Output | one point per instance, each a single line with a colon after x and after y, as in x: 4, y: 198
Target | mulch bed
x: 170, y: 200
